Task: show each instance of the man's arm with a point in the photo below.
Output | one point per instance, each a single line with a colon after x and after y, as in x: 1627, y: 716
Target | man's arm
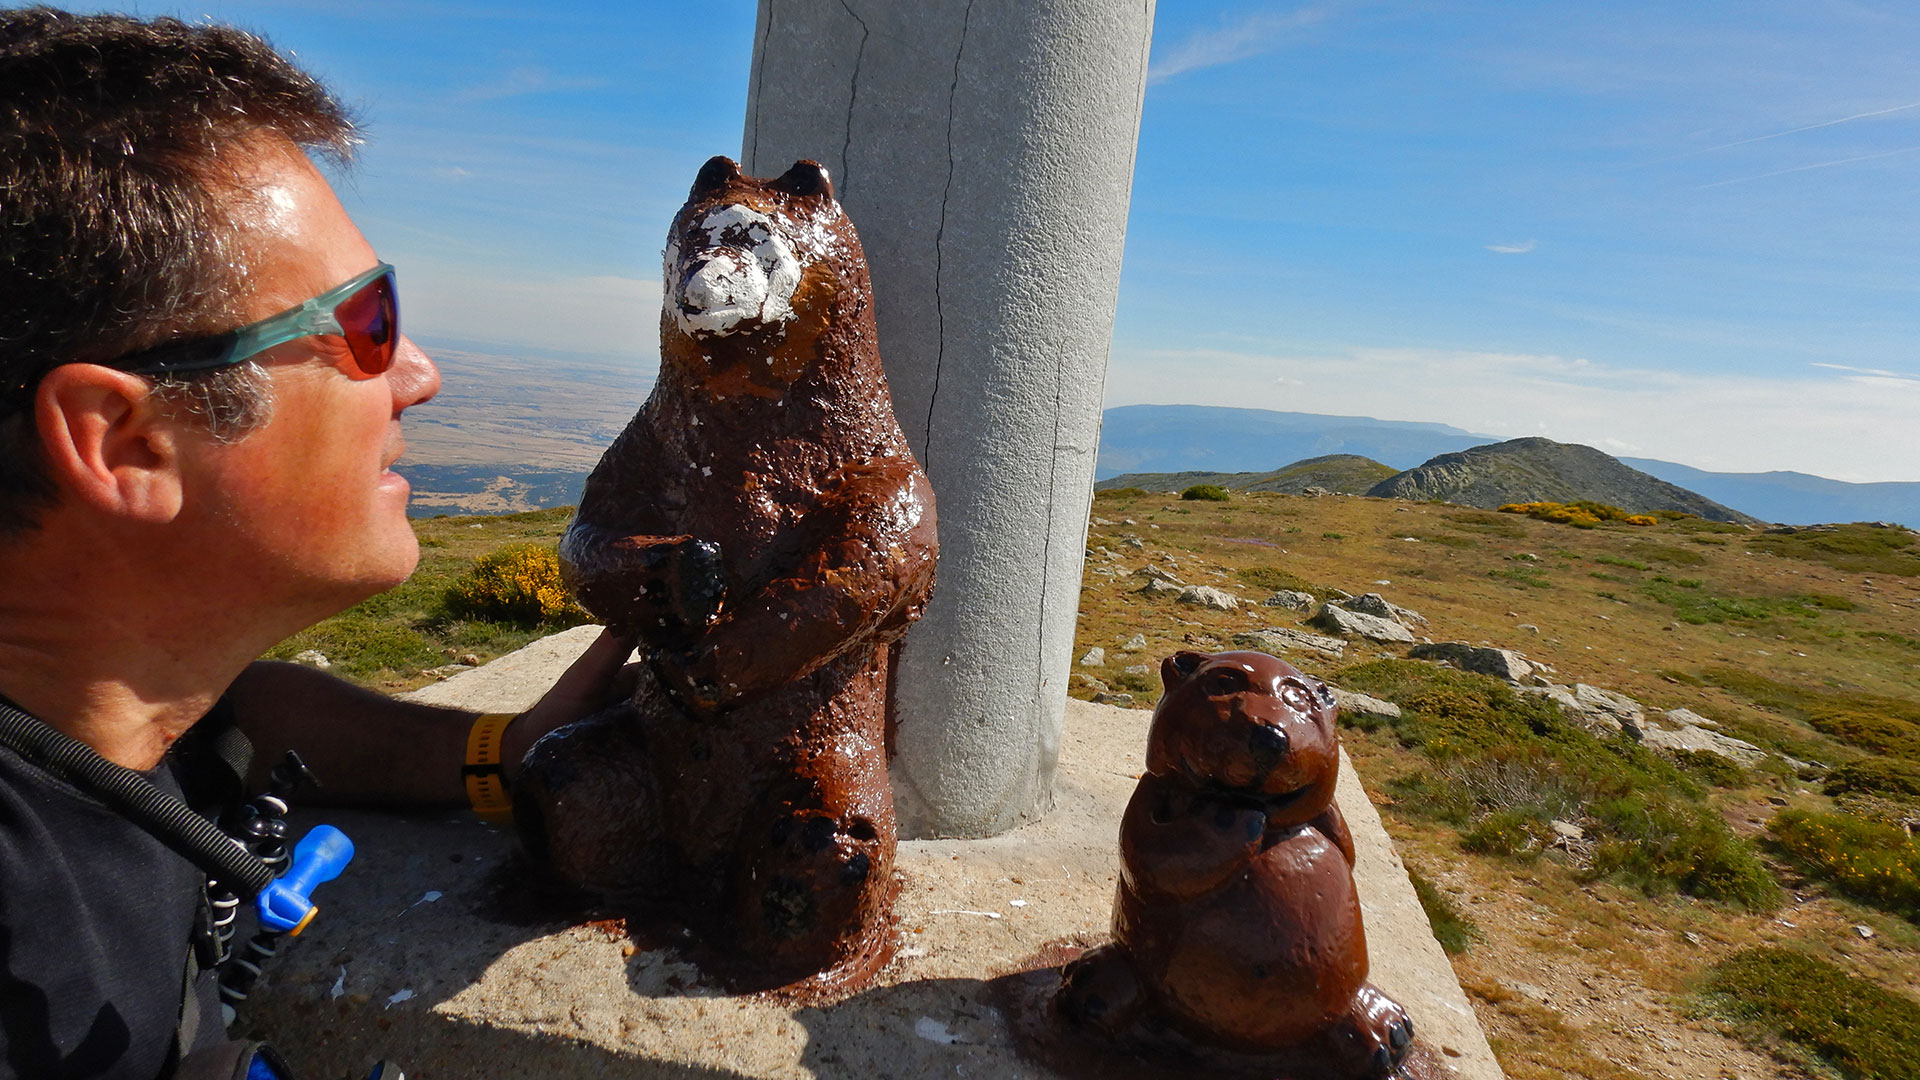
x: 370, y: 749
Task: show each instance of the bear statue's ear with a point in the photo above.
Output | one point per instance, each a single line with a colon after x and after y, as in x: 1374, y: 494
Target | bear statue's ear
x: 714, y: 175
x: 1177, y: 667
x: 805, y: 178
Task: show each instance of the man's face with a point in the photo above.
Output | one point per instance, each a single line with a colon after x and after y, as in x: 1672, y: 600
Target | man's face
x: 304, y: 510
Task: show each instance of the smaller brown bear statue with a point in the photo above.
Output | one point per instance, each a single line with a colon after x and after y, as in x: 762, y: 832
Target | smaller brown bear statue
x: 764, y: 531
x: 1237, y: 924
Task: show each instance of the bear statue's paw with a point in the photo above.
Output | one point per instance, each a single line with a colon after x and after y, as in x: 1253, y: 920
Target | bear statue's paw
x: 1373, y: 1039
x: 1099, y: 991
x: 807, y: 886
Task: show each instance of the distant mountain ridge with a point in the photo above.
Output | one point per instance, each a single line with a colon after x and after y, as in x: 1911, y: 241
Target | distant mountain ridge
x: 1189, y: 438
x: 1348, y: 474
x: 1541, y: 470
x: 1199, y: 438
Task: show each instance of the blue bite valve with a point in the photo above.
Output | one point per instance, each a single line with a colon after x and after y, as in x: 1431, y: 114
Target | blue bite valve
x: 285, y: 905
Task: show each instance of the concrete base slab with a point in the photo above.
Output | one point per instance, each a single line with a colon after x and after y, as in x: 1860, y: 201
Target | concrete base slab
x: 413, y: 959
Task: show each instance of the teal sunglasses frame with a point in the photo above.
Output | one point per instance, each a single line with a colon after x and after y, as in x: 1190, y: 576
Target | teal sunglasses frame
x: 316, y: 316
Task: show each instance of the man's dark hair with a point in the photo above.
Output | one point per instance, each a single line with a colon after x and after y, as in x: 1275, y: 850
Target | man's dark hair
x: 111, y: 135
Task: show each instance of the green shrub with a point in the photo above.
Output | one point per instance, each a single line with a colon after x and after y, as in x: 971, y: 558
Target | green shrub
x: 1711, y: 767
x: 1509, y: 833
x: 1848, y: 1023
x: 1877, y: 863
x: 1666, y: 553
x: 1876, y: 776
x: 1122, y: 493
x: 1206, y: 493
x: 1857, y: 548
x: 1506, y: 764
x: 1614, y: 560
x: 1452, y: 929
x: 1272, y: 577
x: 1660, y: 842
x: 518, y: 584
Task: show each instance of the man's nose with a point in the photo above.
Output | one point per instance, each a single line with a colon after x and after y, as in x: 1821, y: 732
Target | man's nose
x: 413, y: 377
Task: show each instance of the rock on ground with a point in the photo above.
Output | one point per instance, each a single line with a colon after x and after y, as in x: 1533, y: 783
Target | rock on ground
x: 1155, y: 572
x: 1499, y: 663
x: 1290, y: 599
x: 1357, y: 704
x: 1135, y: 643
x: 1374, y: 604
x: 1278, y: 640
x: 1358, y: 624
x: 1095, y: 657
x: 1610, y: 708
x: 1689, y: 718
x: 1688, y: 737
x: 1208, y: 597
x: 1157, y: 587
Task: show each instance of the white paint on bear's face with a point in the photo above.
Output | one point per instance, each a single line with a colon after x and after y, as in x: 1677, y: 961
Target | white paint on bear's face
x: 744, y: 274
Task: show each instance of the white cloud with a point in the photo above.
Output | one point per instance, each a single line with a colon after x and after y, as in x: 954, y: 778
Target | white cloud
x: 1849, y: 425
x: 1513, y: 249
x: 1249, y: 37
x: 602, y: 315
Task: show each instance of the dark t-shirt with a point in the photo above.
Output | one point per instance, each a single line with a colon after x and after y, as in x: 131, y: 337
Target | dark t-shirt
x: 96, y: 922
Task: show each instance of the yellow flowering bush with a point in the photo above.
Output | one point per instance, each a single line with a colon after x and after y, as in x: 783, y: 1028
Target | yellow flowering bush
x: 519, y: 584
x: 1871, y: 861
x: 1584, y: 514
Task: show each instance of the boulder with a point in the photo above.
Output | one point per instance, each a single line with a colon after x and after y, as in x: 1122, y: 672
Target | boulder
x: 1356, y: 704
x: 1280, y: 640
x: 1689, y: 718
x: 1374, y: 604
x: 1358, y: 624
x: 1158, y: 574
x: 1135, y: 643
x: 1499, y: 663
x: 1291, y: 599
x: 1559, y: 695
x: 1157, y: 587
x: 1207, y: 596
x: 1112, y: 699
x: 1095, y: 657
x: 1688, y: 737
x: 1592, y: 697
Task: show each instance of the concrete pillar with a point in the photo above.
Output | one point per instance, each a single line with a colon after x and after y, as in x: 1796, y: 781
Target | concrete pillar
x: 984, y: 149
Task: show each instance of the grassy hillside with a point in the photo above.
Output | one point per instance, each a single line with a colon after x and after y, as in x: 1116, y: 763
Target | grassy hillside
x: 1541, y: 470
x: 1592, y: 956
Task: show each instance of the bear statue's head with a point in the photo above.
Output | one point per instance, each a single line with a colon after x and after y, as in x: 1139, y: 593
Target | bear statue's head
x: 1247, y: 724
x: 755, y: 272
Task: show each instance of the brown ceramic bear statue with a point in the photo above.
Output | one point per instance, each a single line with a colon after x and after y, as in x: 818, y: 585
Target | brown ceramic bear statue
x: 762, y: 527
x: 1237, y: 924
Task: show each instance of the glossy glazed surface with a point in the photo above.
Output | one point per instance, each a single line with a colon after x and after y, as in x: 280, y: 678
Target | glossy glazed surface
x: 763, y: 528
x: 1237, y: 923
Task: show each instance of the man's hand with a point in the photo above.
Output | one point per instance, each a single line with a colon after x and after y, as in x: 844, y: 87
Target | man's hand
x: 599, y: 679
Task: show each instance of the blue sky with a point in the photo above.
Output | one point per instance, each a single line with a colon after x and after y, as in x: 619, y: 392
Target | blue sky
x: 1685, y: 231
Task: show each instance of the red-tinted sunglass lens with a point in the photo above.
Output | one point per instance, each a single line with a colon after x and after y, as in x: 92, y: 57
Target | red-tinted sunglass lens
x: 370, y: 320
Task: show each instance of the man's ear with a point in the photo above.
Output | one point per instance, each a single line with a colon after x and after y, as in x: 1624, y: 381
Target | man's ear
x: 107, y: 443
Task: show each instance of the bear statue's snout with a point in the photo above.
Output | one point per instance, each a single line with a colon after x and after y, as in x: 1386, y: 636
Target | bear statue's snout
x: 1268, y: 745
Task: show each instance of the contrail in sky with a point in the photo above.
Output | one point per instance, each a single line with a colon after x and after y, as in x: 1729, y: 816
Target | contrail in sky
x: 1805, y: 168
x: 1808, y: 127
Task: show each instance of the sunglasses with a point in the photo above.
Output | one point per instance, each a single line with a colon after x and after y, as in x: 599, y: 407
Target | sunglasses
x: 364, y: 310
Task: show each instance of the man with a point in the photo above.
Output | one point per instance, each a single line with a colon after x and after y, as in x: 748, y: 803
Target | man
x: 176, y: 497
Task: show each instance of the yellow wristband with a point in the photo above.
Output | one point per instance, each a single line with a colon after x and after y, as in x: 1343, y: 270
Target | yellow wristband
x: 486, y: 785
